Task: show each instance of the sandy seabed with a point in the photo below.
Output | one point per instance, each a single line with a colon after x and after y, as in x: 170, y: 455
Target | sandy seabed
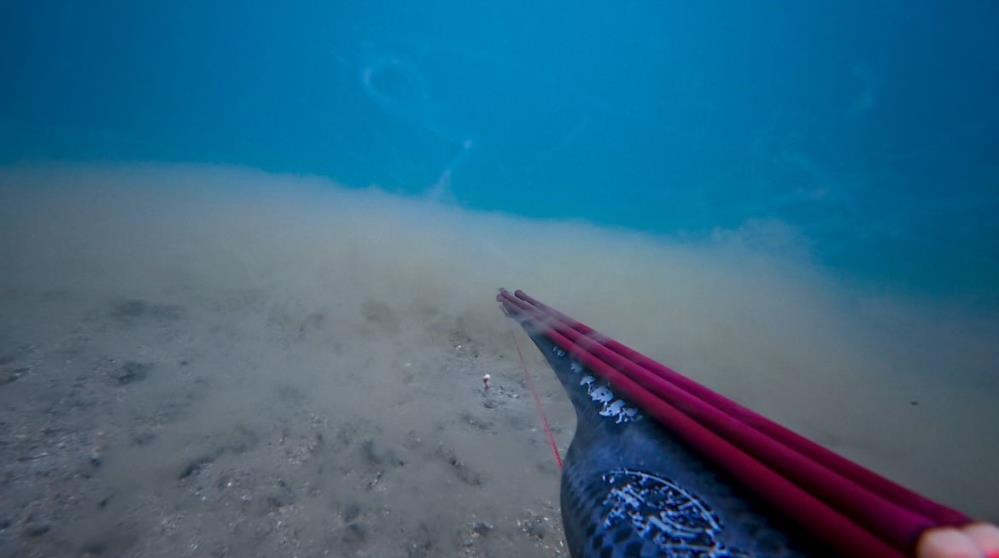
x: 203, y: 361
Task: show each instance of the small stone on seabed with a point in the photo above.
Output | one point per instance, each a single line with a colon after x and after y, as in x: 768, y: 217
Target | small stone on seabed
x: 482, y: 528
x: 36, y: 529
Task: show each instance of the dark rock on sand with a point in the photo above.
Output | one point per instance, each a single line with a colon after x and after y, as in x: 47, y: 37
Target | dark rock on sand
x: 13, y: 355
x: 371, y: 484
x: 461, y: 470
x: 312, y: 322
x: 132, y: 371
x: 476, y: 422
x: 241, y: 440
x: 422, y: 545
x: 10, y: 375
x: 381, y: 317
x: 103, y: 502
x: 115, y: 541
x: 278, y: 496
x: 128, y: 311
x: 36, y: 528
x: 534, y: 525
x: 355, y: 534
x: 143, y: 438
x: 290, y: 394
x: 95, y: 459
x: 482, y: 528
x: 194, y: 466
x: 351, y: 512
x: 376, y: 455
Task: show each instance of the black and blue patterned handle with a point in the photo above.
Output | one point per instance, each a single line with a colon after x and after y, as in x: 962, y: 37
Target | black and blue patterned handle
x: 629, y: 488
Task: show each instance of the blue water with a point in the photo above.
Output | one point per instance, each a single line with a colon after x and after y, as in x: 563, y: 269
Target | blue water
x: 870, y: 128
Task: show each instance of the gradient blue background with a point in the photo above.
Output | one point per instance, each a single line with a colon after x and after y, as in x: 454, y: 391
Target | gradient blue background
x: 870, y: 127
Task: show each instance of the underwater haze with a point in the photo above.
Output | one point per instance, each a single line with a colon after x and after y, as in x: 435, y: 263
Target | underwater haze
x: 248, y: 254
x: 869, y: 127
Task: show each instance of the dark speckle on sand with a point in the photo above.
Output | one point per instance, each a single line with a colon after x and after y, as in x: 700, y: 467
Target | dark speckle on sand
x: 36, y: 528
x: 132, y: 310
x: 132, y: 371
